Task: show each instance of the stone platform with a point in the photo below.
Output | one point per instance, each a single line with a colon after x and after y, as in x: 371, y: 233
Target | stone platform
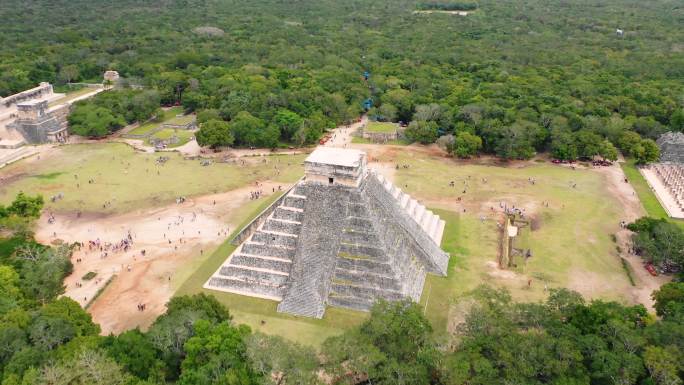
x: 342, y: 236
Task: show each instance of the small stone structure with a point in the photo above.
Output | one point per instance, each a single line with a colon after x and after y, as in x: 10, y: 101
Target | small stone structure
x: 671, y: 147
x: 39, y: 125
x: 111, y: 76
x: 342, y: 236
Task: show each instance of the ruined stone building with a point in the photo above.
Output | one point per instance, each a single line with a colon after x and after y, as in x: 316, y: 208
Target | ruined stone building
x: 39, y: 125
x: 671, y: 147
x: 342, y: 236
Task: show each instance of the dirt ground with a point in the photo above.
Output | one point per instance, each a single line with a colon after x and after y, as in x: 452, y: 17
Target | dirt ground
x: 632, y: 209
x: 172, y: 237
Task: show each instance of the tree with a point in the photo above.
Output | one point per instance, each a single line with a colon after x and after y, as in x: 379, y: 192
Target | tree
x: 563, y: 145
x: 387, y: 112
x: 207, y: 115
x: 26, y: 206
x: 394, y: 346
x: 216, y: 354
x: 215, y: 134
x: 92, y: 121
x: 278, y: 360
x: 669, y: 299
x: 89, y: 367
x: 422, y: 132
x: 588, y: 143
x: 664, y: 364
x: 608, y: 151
x: 136, y: 354
x: 466, y: 145
x: 288, y: 123
x: 68, y: 73
x: 251, y: 131
x: 677, y: 120
x: 646, y: 152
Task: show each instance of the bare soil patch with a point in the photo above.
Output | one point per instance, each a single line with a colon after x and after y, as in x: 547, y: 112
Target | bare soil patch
x: 174, y: 238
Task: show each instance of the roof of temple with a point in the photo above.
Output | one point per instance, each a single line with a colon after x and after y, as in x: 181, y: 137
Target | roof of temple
x: 336, y: 157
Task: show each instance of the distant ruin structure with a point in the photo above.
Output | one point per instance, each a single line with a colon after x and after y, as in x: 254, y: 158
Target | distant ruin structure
x: 342, y: 236
x: 671, y: 147
x: 43, y: 91
x: 666, y: 177
x: 111, y: 76
x: 39, y: 125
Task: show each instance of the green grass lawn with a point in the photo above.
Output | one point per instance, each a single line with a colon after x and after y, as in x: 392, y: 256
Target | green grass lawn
x: 181, y: 120
x: 261, y: 314
x: 571, y: 248
x: 145, y: 128
x: 71, y: 95
x: 166, y: 133
x: 646, y: 195
x: 132, y: 180
x: 381, y: 127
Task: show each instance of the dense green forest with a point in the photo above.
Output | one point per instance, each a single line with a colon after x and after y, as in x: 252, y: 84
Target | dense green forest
x: 523, y: 76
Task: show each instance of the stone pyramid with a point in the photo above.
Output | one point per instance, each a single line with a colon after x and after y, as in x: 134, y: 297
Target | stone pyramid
x: 342, y: 236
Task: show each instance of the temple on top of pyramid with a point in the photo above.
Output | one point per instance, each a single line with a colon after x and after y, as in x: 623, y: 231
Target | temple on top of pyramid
x: 342, y: 236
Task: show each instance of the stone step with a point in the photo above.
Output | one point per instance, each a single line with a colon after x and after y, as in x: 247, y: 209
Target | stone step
x: 290, y: 215
x: 272, y: 278
x: 294, y: 202
x: 359, y: 237
x: 268, y: 250
x: 347, y: 302
x: 273, y: 239
x: 363, y: 265
x: 298, y: 190
x: 280, y: 226
x: 301, y: 306
x: 370, y: 252
x: 267, y: 264
x: 360, y: 222
x: 357, y: 210
x: 246, y: 288
x: 365, y: 292
x: 364, y: 278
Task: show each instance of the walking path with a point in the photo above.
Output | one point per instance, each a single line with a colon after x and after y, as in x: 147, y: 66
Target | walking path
x: 342, y: 135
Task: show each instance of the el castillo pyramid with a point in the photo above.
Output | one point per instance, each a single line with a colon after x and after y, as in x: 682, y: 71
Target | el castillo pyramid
x: 342, y: 236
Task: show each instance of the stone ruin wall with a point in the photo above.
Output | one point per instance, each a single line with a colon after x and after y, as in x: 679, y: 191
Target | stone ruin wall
x: 671, y: 147
x: 412, y: 219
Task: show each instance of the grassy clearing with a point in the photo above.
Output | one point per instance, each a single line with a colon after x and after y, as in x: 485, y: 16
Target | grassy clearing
x: 132, y: 180
x: 261, y: 314
x: 181, y: 120
x: 71, y: 95
x: 571, y: 248
x: 145, y: 128
x: 646, y: 195
x: 383, y: 127
x: 166, y: 133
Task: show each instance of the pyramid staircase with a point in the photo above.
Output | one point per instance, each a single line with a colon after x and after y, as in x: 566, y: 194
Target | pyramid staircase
x: 363, y: 272
x: 261, y: 266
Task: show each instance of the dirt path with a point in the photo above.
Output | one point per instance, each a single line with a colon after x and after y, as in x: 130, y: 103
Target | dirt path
x: 645, y: 283
x: 342, y: 135
x: 173, y: 237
